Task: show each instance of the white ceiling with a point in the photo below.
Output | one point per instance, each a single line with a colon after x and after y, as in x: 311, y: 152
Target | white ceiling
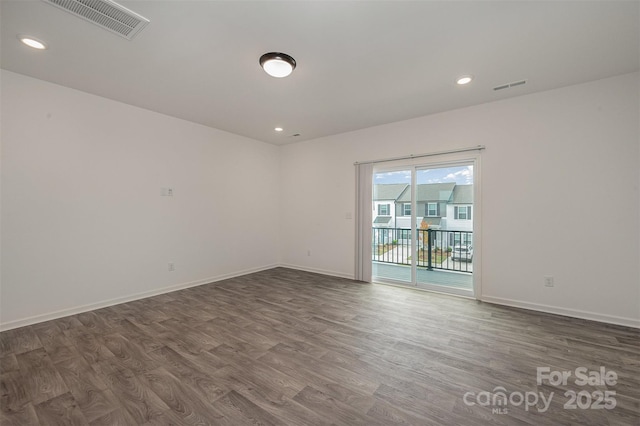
x: 360, y: 63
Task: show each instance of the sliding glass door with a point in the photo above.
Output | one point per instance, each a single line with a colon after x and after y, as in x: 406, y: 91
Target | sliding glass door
x: 392, y: 231
x: 422, y: 230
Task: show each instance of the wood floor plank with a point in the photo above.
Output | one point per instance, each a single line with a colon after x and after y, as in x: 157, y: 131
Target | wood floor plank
x: 190, y: 337
x: 87, y: 387
x: 8, y: 363
x: 128, y: 353
x: 286, y: 347
x: 336, y: 374
x: 406, y: 383
x: 147, y: 342
x: 259, y: 341
x: 89, y: 345
x: 343, y: 391
x: 18, y: 341
x: 24, y: 415
x: 42, y: 380
x: 58, y: 346
x: 98, y: 404
x: 14, y: 393
x: 139, y: 400
x: 181, y: 398
x: 145, y: 311
x: 390, y: 414
x: 238, y: 409
x: 260, y: 375
x: 327, y: 406
x: 190, y: 373
x: 61, y: 410
x: 69, y: 323
x: 115, y: 417
x: 93, y: 323
x: 431, y: 405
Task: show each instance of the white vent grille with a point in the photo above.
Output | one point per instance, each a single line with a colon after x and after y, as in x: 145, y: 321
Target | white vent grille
x: 510, y: 85
x: 106, y: 14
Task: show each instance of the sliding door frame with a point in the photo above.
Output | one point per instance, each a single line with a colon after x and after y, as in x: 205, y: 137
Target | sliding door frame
x: 444, y: 160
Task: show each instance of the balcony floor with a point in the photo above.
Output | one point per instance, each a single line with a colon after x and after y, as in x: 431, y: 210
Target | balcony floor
x: 389, y: 271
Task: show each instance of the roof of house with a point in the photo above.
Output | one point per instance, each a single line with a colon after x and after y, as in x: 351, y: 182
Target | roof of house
x: 388, y: 191
x: 430, y: 192
x: 382, y: 219
x: 462, y: 194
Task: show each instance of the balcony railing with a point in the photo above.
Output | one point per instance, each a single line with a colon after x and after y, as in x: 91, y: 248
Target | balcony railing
x: 436, y: 249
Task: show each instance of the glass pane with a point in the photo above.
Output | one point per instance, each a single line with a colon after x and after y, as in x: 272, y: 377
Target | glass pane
x: 391, y: 250
x: 444, y: 253
x: 430, y: 247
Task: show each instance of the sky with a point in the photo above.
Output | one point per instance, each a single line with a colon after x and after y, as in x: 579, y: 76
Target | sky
x: 461, y: 175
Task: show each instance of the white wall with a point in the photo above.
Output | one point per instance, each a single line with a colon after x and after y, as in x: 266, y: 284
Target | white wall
x: 83, y: 222
x: 551, y: 159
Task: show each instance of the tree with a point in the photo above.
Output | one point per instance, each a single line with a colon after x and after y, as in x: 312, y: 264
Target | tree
x: 422, y: 234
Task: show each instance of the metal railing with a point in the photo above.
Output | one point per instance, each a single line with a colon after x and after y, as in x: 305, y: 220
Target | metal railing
x: 436, y: 249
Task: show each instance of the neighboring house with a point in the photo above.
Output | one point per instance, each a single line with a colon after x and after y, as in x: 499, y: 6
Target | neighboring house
x: 443, y: 206
x: 460, y: 215
x: 431, y: 205
x: 384, y: 204
x: 385, y: 197
x: 460, y: 209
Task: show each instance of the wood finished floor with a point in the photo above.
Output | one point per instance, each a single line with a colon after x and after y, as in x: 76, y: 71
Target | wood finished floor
x: 284, y: 347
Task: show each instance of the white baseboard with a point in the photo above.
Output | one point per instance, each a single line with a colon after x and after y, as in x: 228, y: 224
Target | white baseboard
x: 318, y: 271
x: 610, y: 319
x: 118, y: 300
x: 575, y: 313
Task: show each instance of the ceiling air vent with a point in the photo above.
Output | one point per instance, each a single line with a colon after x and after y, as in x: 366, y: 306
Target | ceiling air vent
x: 106, y: 14
x: 510, y: 85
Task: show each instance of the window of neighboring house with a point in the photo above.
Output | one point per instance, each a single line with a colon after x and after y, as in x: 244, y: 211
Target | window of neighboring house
x: 462, y: 212
x: 432, y: 209
x: 384, y: 210
x: 406, y: 209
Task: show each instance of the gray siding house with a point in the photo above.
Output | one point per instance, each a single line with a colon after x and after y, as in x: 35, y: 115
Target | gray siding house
x: 431, y: 204
x: 385, y: 197
x: 443, y: 206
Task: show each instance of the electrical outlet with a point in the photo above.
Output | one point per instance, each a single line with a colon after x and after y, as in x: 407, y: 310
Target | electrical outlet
x: 548, y: 281
x: 172, y: 267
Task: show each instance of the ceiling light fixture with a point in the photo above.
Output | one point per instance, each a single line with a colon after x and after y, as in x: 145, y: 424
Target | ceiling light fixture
x: 464, y: 79
x: 278, y: 129
x: 32, y: 42
x: 277, y: 64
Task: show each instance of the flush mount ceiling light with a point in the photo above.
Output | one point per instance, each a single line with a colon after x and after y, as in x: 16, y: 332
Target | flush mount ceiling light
x: 464, y: 79
x: 278, y: 129
x: 32, y: 42
x: 277, y: 64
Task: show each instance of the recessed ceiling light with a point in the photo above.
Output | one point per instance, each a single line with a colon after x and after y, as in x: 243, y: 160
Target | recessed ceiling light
x: 32, y: 42
x: 277, y: 64
x: 464, y: 79
x: 278, y: 129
